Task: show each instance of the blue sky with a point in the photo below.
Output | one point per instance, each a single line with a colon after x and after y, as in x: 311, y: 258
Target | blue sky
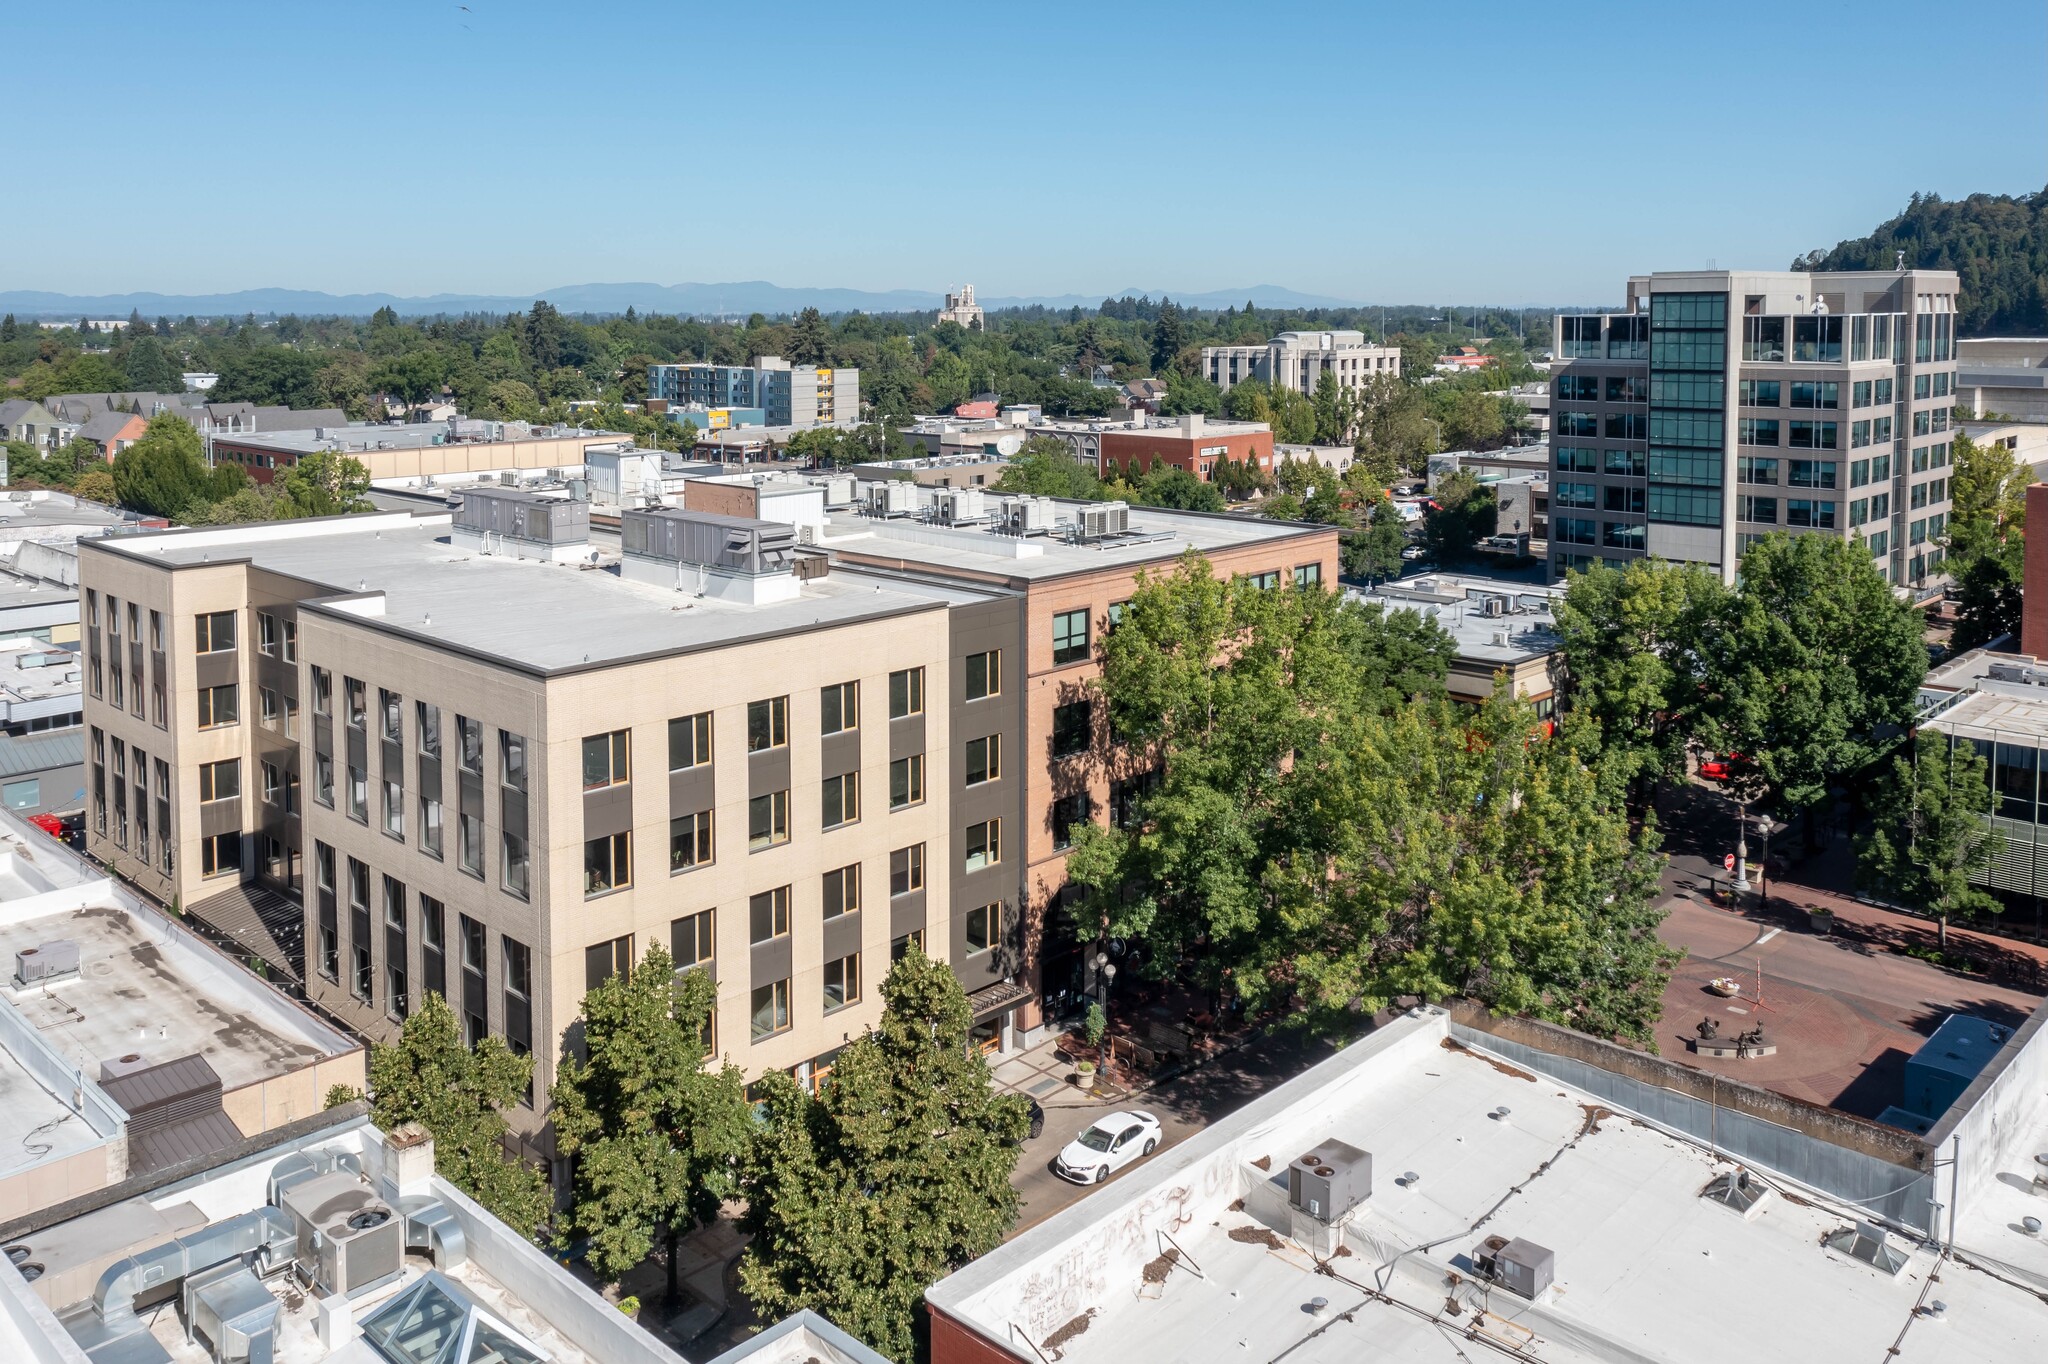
x: 1478, y: 152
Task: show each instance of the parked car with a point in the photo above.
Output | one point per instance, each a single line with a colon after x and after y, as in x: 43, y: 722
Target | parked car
x: 1724, y: 767
x: 1112, y: 1142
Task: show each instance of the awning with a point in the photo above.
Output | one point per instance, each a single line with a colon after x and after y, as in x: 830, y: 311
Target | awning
x: 995, y: 998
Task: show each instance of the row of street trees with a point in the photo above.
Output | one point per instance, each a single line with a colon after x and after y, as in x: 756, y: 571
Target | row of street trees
x: 856, y: 1197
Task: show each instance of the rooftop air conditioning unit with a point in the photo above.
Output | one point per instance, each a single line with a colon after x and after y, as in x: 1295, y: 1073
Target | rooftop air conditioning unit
x: 51, y: 961
x: 1099, y: 519
x: 1492, y: 606
x: 1519, y: 1266
x: 1330, y: 1181
x: 1028, y: 515
x: 348, y: 1238
x: 961, y: 506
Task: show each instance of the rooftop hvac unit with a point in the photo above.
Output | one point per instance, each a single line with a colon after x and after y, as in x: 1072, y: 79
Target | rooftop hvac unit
x: 228, y: 1307
x: 840, y: 492
x: 960, y: 506
x: 893, y: 498
x: 1330, y: 1181
x: 1099, y: 519
x: 348, y: 1238
x: 1492, y: 606
x: 1519, y: 1266
x: 51, y: 961
x: 1028, y: 515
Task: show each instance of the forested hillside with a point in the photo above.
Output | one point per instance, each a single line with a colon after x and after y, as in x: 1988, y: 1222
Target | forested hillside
x: 1997, y: 243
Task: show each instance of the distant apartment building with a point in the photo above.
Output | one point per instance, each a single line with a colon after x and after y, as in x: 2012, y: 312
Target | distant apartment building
x: 1299, y: 360
x: 1721, y: 406
x: 962, y: 309
x: 1192, y: 442
x: 788, y: 395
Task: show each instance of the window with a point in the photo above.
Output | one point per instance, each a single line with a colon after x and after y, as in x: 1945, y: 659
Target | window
x: 984, y: 674
x: 395, y: 1000
x: 272, y: 783
x: 220, y: 855
x: 906, y: 870
x: 391, y: 707
x: 1812, y: 435
x: 1069, y: 637
x: 514, y: 866
x: 842, y: 891
x: 607, y: 863
x: 768, y: 915
x: 1801, y: 512
x: 767, y: 821
x: 605, y: 760
x: 358, y: 795
x: 842, y: 982
x: 221, y: 780
x: 841, y: 803
x: 603, y: 960
x: 906, y: 693
x: 1573, y: 530
x: 1859, y: 511
x: 1880, y: 506
x: 291, y: 641
x: 1067, y: 812
x: 323, y: 779
x: 899, y: 948
x: 1881, y: 390
x: 1072, y: 728
x: 1922, y: 387
x: 1308, y: 575
x: 689, y: 741
x: 512, y: 760
x: 906, y: 782
x: 1758, y: 392
x: 218, y: 706
x: 1565, y: 494
x: 323, y: 877
x: 839, y: 708
x: 266, y: 632
x: 1628, y: 463
x: 1577, y: 424
x: 1763, y: 509
x: 353, y: 695
x: 266, y: 700
x: 1812, y: 473
x: 1626, y: 426
x: 690, y: 940
x: 1625, y: 389
x: 689, y: 841
x: 430, y: 825
x: 469, y: 842
x: 767, y: 724
x: 216, y: 632
x: 394, y: 809
x: 323, y: 692
x: 770, y: 1009
x: 427, y: 719
x: 434, y: 945
x: 984, y: 844
x: 983, y: 925
x: 1880, y: 468
x: 1859, y: 392
x: 1822, y: 395
x: 1578, y: 388
x: 1577, y: 459
x: 984, y: 759
x: 1752, y: 469
x: 1758, y: 431
x: 472, y: 735
x: 1859, y: 434
x: 291, y: 717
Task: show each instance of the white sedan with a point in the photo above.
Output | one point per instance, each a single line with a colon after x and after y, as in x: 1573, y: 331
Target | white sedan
x: 1114, y: 1141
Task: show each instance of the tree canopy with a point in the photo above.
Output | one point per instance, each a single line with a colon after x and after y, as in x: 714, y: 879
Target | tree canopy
x: 1996, y: 243
x: 1930, y: 831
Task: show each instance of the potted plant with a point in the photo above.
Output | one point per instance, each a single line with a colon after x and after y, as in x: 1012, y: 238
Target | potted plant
x: 1820, y: 919
x: 1084, y: 1074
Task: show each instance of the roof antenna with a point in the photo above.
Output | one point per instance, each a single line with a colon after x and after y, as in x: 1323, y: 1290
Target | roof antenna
x: 1902, y: 260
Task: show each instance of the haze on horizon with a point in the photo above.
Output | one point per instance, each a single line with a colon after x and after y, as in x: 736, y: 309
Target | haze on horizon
x: 1369, y: 153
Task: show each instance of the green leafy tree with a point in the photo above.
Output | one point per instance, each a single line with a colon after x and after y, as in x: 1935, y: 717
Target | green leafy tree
x: 1812, y: 662
x: 1169, y: 485
x: 1188, y: 393
x: 149, y: 369
x: 810, y: 338
x: 1931, y: 832
x: 544, y: 334
x: 1045, y: 467
x: 655, y: 1136
x: 1632, y: 667
x: 96, y: 485
x: 896, y: 1173
x: 89, y: 374
x: 327, y: 483
x: 459, y: 1094
x: 1988, y: 493
x: 162, y: 473
x: 1995, y: 242
x: 1169, y: 336
x: 1989, y: 589
x: 270, y: 376
x: 1375, y: 552
x: 1465, y: 513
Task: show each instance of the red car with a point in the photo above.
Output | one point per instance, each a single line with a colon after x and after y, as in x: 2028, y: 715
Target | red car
x: 1723, y: 768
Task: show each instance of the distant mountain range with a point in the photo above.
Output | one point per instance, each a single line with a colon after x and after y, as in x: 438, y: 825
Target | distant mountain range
x: 695, y: 300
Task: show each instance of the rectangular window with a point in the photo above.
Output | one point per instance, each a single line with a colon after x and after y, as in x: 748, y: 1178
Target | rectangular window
x: 221, y: 780
x: 842, y: 891
x: 842, y: 982
x: 906, y: 693
x: 839, y: 708
x: 899, y: 948
x: 767, y: 724
x: 1577, y: 459
x: 469, y: 842
x: 323, y: 692
x: 218, y: 706
x: 1801, y: 512
x: 767, y: 821
x: 689, y: 741
x: 1758, y: 392
x: 216, y: 632
x: 1880, y: 506
x: 353, y: 695
x: 1859, y: 473
x: 430, y: 826
x: 1069, y: 637
x: 1073, y: 728
x: 607, y: 863
x: 273, y: 784
x: 906, y: 782
x: 605, y: 760
x: 220, y: 855
x: 983, y: 926
x: 770, y: 1009
x: 1308, y: 575
x: 266, y: 700
x: 984, y: 674
x: 323, y: 779
x: 1818, y: 395
x: 1067, y: 813
x: 1627, y: 463
x: 1880, y: 468
x: 1812, y: 473
x: 1630, y: 500
x: 906, y: 870
x: 1859, y: 512
x: 358, y: 794
x: 1754, y: 469
x: 984, y: 845
x: 434, y: 945
x: 266, y: 632
x: 394, y: 809
x: 472, y: 735
x: 1762, y: 509
x: 690, y: 939
x: 1881, y: 391
x: 1566, y: 494
x: 984, y: 759
x: 1758, y: 431
x: 391, y: 707
x: 396, y: 1001
x: 514, y: 865
x: 603, y: 960
x: 768, y: 915
x: 512, y: 760
x: 427, y: 719
x: 1923, y: 387
x: 291, y: 641
x: 841, y: 800
x: 1859, y: 392
x: 1859, y: 434
x: 689, y: 841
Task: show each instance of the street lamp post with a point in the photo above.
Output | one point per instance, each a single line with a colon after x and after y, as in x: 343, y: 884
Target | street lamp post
x: 1742, y: 845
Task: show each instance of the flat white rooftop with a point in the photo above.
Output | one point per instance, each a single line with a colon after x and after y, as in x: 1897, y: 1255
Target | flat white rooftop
x: 1525, y: 628
x: 1197, y: 1256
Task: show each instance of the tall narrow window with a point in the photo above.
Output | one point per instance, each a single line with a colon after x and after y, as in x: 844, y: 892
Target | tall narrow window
x: 767, y: 724
x: 605, y: 760
x: 906, y: 693
x: 689, y: 741
x: 839, y: 708
x: 984, y: 674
